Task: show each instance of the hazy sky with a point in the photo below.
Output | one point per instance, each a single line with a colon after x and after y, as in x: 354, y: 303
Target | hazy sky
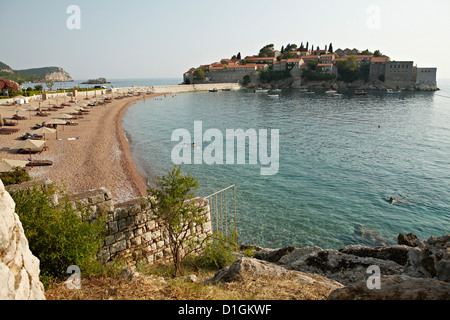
x: 151, y: 39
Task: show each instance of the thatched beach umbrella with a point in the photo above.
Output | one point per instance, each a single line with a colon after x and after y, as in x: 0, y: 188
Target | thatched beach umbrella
x: 29, y: 108
x: 44, y: 131
x: 19, y: 109
x: 63, y: 116
x: 7, y: 165
x: 29, y: 145
x: 56, y: 122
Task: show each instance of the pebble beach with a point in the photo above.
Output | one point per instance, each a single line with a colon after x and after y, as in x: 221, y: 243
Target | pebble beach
x: 93, y: 153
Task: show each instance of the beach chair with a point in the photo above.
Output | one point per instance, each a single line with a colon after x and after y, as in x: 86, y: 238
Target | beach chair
x: 9, y: 123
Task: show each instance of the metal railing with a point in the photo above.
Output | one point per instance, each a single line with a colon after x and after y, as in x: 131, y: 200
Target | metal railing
x: 221, y: 210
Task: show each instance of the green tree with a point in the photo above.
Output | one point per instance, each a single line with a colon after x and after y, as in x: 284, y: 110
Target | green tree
x: 199, y: 74
x: 178, y: 214
x: 266, y: 50
x: 239, y: 56
x: 246, y: 80
x: 49, y: 84
x: 312, y: 64
x: 330, y: 48
x: 59, y: 234
x: 38, y: 87
x: 347, y: 69
x: 377, y: 53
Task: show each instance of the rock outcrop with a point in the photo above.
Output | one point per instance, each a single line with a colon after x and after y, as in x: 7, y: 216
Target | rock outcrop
x: 396, y: 288
x: 244, y: 266
x: 421, y: 268
x: 19, y: 269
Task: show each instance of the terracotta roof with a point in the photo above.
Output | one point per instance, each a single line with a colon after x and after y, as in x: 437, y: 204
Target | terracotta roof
x: 325, y: 65
x: 379, y: 59
x: 311, y: 57
x: 260, y: 58
x: 294, y: 60
x: 248, y: 65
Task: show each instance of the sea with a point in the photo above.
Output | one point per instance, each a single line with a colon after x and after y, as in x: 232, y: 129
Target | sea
x: 340, y: 159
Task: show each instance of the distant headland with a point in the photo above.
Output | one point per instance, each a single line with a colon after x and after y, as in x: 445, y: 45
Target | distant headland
x: 96, y: 81
x: 35, y: 75
x: 309, y: 67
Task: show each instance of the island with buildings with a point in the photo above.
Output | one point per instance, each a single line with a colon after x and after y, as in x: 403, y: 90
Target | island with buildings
x: 302, y: 67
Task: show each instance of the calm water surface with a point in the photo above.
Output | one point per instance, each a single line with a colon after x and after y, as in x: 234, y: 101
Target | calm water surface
x: 340, y: 158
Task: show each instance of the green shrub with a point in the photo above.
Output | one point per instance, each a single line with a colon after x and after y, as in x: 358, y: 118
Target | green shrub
x: 219, y: 252
x: 17, y: 176
x: 59, y: 235
x: 271, y: 75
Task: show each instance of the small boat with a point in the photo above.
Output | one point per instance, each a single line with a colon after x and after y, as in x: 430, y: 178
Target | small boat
x: 360, y: 93
x: 226, y: 89
x: 261, y: 90
x: 273, y: 96
x: 393, y: 91
x: 331, y: 91
x: 275, y: 90
x: 308, y: 92
x: 213, y: 90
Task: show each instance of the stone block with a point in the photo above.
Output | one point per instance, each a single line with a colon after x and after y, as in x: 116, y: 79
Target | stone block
x: 122, y: 224
x: 106, y: 206
x: 119, y: 236
x: 113, y: 227
x: 136, y: 241
x: 120, y: 214
x: 151, y: 225
x: 118, y: 246
x: 98, y: 198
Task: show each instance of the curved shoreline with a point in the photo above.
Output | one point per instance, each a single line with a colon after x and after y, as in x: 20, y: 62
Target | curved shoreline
x: 127, y: 161
x: 94, y: 153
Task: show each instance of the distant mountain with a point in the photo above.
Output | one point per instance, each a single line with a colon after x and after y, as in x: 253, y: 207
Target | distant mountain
x: 5, y: 67
x: 56, y: 74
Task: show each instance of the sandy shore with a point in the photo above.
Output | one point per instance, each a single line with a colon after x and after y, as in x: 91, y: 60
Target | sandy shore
x: 90, y: 155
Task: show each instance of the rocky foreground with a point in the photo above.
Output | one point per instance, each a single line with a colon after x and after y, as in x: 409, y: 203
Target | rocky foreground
x: 411, y: 270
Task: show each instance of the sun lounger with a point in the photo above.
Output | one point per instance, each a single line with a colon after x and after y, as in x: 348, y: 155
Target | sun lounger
x: 8, y: 131
x: 32, y: 136
x: 16, y: 117
x: 39, y: 163
x: 27, y: 151
x: 9, y: 123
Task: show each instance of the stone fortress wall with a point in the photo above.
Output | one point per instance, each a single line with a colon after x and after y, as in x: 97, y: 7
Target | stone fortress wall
x: 133, y: 232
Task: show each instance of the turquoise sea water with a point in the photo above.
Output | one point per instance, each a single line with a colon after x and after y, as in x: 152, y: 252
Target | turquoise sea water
x: 340, y: 158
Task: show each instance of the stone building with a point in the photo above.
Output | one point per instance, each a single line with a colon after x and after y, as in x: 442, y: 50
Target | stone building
x: 231, y: 73
x: 378, y: 68
x: 426, y: 79
x: 400, y: 75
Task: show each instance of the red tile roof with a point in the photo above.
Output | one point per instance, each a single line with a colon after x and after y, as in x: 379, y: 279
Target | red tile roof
x: 379, y: 59
x: 311, y: 57
x: 294, y: 60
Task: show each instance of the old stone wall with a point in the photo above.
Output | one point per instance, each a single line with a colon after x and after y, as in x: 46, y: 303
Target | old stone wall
x: 133, y: 233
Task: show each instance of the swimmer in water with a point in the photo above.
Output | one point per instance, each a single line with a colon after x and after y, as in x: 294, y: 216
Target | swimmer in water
x: 392, y: 200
